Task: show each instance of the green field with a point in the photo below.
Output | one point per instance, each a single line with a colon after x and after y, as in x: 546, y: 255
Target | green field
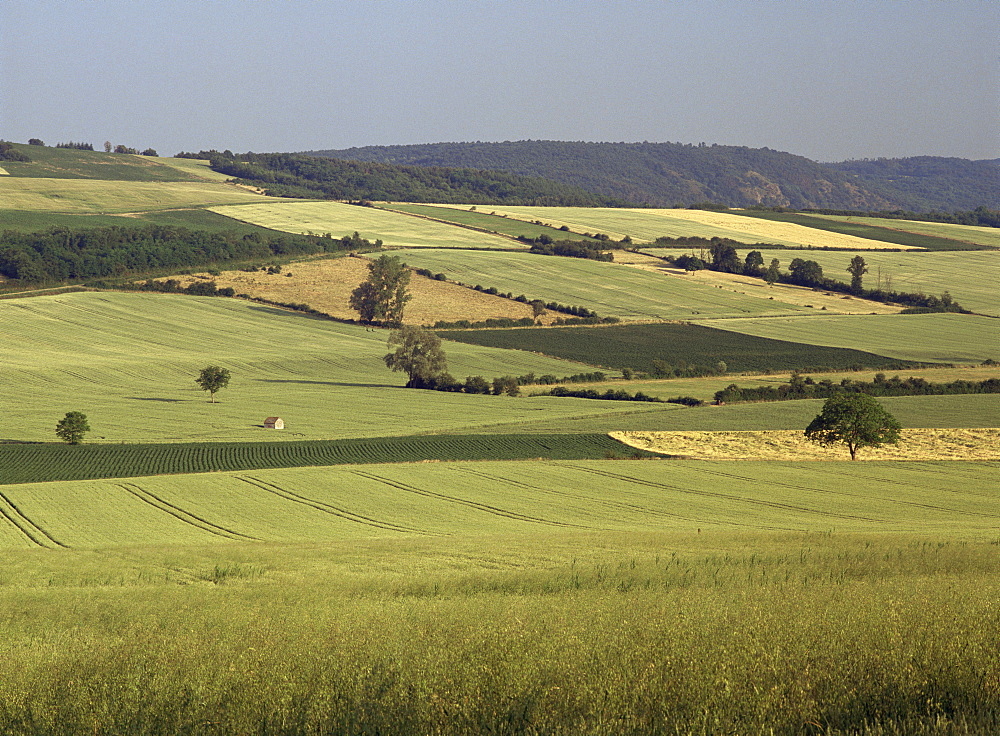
x: 34, y: 463
x: 941, y: 338
x: 581, y: 597
x: 195, y: 218
x: 129, y: 361
x: 988, y: 236
x: 503, y: 498
x: 610, y: 290
x: 637, y: 346
x: 972, y: 278
x: 394, y: 229
x: 92, y: 196
x: 969, y: 276
x: 483, y: 221
x: 69, y: 163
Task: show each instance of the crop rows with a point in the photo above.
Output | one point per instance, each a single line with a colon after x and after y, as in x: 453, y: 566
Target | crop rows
x: 30, y: 463
x: 637, y: 346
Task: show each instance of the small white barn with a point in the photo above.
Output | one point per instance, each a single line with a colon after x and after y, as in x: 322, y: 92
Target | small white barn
x: 274, y: 423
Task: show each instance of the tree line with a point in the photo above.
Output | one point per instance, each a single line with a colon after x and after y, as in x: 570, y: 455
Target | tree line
x: 805, y: 387
x: 296, y: 175
x: 64, y: 253
x: 723, y: 257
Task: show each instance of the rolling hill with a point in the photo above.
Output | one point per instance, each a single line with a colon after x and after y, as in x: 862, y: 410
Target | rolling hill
x: 668, y: 174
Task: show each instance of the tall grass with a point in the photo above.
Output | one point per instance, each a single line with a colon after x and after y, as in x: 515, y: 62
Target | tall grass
x: 768, y: 634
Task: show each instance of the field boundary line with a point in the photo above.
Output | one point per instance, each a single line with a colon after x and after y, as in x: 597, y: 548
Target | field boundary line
x: 178, y: 513
x: 20, y: 520
x: 326, y: 507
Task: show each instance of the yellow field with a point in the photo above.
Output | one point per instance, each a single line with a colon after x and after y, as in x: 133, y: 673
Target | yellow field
x: 91, y: 196
x: 396, y: 230
x: 326, y: 284
x: 752, y: 229
x: 791, y: 445
x: 645, y: 225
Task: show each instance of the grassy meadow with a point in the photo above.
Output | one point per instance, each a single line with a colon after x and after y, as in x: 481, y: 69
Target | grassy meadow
x: 609, y: 289
x: 941, y: 338
x: 129, y: 362
x: 692, y: 619
x: 473, y: 218
x: 395, y: 229
x: 94, y: 196
x: 970, y: 277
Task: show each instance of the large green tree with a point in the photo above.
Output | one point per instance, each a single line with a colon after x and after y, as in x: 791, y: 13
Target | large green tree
x: 857, y: 269
x: 381, y: 299
x: 212, y: 379
x: 419, y: 354
x: 855, y: 420
x: 72, y: 427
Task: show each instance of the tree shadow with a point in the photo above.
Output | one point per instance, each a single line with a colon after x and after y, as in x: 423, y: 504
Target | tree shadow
x: 155, y: 398
x: 328, y: 383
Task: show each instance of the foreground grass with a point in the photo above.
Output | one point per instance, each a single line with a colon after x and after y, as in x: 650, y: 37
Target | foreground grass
x: 561, y: 633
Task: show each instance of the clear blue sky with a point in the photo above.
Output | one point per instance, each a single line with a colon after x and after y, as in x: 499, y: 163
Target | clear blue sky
x: 827, y: 79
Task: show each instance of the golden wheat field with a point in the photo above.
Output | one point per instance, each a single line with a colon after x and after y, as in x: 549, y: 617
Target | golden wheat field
x: 769, y: 231
x: 791, y: 445
x: 325, y: 284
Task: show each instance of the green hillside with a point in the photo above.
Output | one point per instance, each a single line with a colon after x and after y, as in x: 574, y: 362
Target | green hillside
x: 609, y: 289
x: 129, y: 362
x: 393, y: 228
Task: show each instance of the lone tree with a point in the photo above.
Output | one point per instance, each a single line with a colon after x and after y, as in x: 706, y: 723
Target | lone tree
x: 857, y: 269
x: 72, y: 427
x: 856, y: 420
x: 380, y: 299
x: 213, y: 378
x: 418, y: 352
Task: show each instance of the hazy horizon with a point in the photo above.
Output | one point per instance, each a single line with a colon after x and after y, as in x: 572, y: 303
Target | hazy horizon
x: 829, y: 81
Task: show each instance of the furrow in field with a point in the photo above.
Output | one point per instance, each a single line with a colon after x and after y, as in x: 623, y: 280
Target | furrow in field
x: 465, y: 502
x: 729, y: 496
x: 34, y: 533
x: 616, y: 505
x: 328, y: 508
x: 910, y: 484
x: 182, y: 515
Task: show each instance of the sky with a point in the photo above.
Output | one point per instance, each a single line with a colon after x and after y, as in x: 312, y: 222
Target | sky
x: 827, y: 79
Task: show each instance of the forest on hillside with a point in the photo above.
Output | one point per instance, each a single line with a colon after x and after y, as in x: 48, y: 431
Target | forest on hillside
x: 297, y: 175
x: 671, y: 174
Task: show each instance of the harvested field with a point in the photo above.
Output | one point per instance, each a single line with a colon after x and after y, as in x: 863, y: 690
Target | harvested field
x: 326, y: 284
x: 792, y: 446
x: 768, y: 231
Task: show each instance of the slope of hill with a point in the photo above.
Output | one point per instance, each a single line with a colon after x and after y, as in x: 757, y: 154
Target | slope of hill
x: 929, y: 181
x: 294, y: 175
x: 665, y: 174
